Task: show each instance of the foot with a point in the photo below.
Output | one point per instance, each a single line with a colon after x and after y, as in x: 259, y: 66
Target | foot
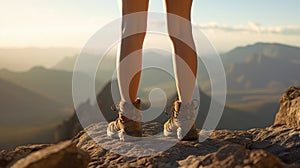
x: 128, y: 122
x: 182, y: 122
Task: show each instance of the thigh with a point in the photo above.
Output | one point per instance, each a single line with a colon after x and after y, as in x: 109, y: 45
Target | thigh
x: 131, y: 6
x: 179, y: 7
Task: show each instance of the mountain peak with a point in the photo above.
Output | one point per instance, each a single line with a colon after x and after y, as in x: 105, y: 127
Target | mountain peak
x: 38, y: 68
x: 264, y: 44
x: 272, y: 50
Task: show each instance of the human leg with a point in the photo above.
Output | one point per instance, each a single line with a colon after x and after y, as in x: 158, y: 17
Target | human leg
x: 180, y: 31
x: 185, y: 59
x: 134, y: 24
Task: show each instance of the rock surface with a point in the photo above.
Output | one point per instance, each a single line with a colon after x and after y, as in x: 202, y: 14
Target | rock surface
x: 233, y: 155
x: 64, y: 154
x: 269, y: 147
x: 289, y: 112
x: 8, y: 157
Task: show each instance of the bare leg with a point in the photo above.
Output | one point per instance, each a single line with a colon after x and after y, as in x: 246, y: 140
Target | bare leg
x: 185, y: 55
x: 134, y: 25
x: 131, y: 46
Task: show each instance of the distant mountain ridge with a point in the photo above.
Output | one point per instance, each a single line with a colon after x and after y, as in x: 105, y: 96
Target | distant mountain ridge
x: 66, y: 63
x: 256, y: 75
x: 18, y: 102
x: 22, y: 59
x: 26, y: 116
x: 262, y: 66
x: 273, y: 50
x: 51, y: 83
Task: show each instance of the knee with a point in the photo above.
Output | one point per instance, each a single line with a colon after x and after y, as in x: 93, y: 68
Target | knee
x: 134, y: 30
x: 179, y: 29
x: 180, y: 34
x: 134, y: 41
x: 135, y: 24
x: 175, y: 29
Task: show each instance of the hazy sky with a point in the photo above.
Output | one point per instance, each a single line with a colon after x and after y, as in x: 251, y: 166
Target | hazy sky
x: 230, y: 23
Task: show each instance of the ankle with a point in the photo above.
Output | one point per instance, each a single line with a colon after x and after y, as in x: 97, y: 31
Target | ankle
x: 130, y: 110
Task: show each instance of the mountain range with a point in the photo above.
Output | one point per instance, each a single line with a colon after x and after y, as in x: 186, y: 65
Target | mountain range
x: 53, y: 84
x: 24, y: 114
x: 33, y: 103
x: 257, y: 74
x: 262, y: 66
x: 22, y: 59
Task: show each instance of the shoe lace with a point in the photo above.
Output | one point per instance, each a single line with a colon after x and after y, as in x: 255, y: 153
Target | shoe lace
x: 173, y: 109
x: 115, y: 108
